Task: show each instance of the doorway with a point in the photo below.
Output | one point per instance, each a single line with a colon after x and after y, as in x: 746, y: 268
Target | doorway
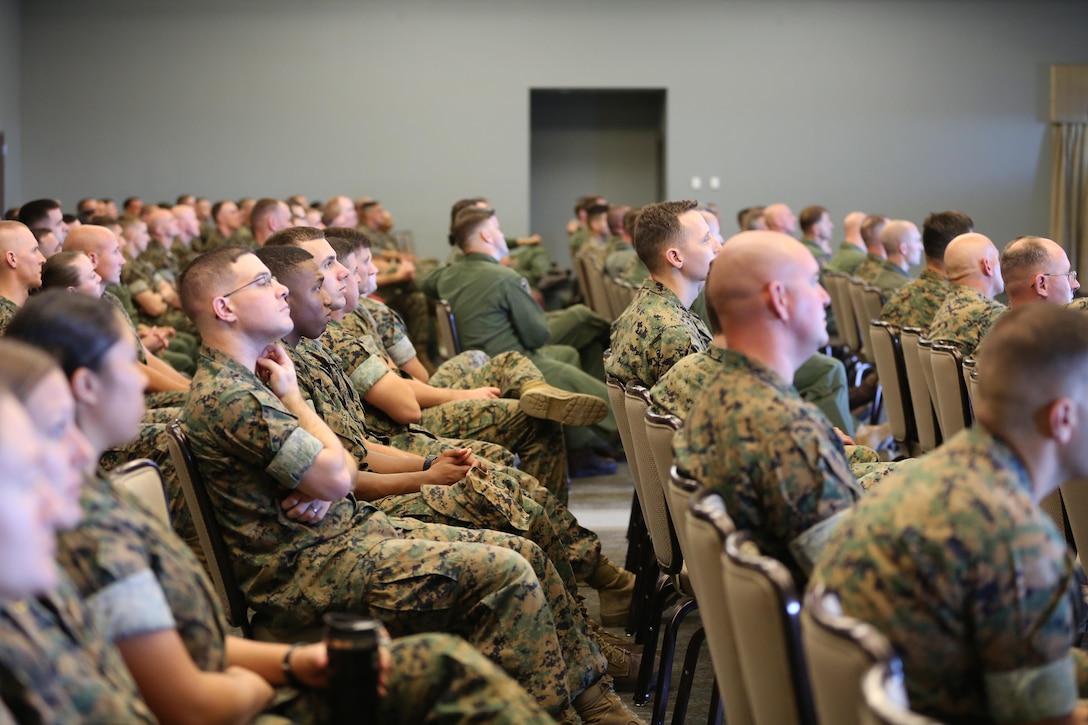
x: 592, y: 141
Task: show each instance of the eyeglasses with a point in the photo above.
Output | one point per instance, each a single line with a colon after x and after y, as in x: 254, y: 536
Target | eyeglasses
x: 262, y: 280
x: 1071, y: 275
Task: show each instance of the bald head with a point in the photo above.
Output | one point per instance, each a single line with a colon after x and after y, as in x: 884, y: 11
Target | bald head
x: 764, y: 288
x: 902, y: 242
x: 851, y: 227
x: 972, y: 260
x: 90, y: 239
x: 14, y: 235
x: 160, y: 225
x: 779, y: 218
x: 1037, y: 269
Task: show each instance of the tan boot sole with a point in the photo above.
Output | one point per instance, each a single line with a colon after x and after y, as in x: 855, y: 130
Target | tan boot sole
x: 563, y: 406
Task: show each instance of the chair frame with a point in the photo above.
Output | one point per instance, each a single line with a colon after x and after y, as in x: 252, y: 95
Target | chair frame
x: 880, y: 709
x: 925, y: 412
x: 955, y: 412
x: 136, y: 466
x: 892, y: 369
x: 446, y: 328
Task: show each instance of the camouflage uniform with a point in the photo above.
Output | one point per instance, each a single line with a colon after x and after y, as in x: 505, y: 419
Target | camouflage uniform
x: 979, y: 601
x: 497, y: 498
x: 636, y: 272
x: 1079, y: 303
x: 678, y: 389
x: 139, y: 275
x: 964, y: 318
x: 847, y: 259
x: 251, y: 452
x: 390, y: 326
x: 404, y: 297
x: 538, y: 442
x: 915, y: 303
x: 212, y: 238
x: 56, y: 667
x: 7, y: 311
x: 868, y: 270
x: 139, y: 578
x: 891, y: 278
x: 531, y: 262
x: 652, y: 335
x: 814, y: 248
x: 576, y: 239
x: 121, y: 297
x: 496, y: 314
x: 162, y: 260
x: 618, y: 261
x: 774, y: 457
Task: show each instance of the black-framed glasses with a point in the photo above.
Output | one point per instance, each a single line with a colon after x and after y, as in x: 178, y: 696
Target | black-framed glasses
x: 262, y: 280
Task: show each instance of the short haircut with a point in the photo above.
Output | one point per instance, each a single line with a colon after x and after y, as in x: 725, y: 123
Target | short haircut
x: 218, y: 207
x: 347, y: 239
x: 657, y: 227
x: 40, y: 232
x: 60, y: 270
x: 1032, y: 355
x: 86, y: 204
x: 101, y: 220
x: 629, y: 219
x: 596, y: 210
x: 747, y: 217
x: 468, y: 222
x: 294, y: 237
x: 282, y: 261
x: 184, y: 199
x: 810, y: 216
x: 461, y: 204
x: 263, y: 209
x: 205, y: 276
x: 75, y: 330
x: 127, y: 221
x: 1023, y: 258
x: 333, y: 208
x: 872, y: 227
x: 35, y: 213
x: 940, y: 228
x: 130, y: 200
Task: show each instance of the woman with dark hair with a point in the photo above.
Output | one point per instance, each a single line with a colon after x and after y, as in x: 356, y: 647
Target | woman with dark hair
x: 150, y: 595
x: 71, y: 271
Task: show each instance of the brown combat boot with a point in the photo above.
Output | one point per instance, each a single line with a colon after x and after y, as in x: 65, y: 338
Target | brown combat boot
x: 600, y: 705
x: 540, y: 400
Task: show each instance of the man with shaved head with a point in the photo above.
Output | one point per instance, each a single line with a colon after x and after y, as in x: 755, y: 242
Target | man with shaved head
x: 954, y: 561
x: 915, y: 303
x: 1037, y: 269
x: 902, y: 244
x: 20, y: 268
x: 775, y: 458
x: 970, y: 309
x: 852, y: 250
x: 267, y: 217
x: 780, y: 218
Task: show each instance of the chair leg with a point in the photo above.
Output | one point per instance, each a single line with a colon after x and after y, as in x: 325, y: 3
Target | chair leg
x: 716, y: 714
x: 878, y: 405
x: 645, y: 584
x: 668, y: 651
x: 687, y: 677
x: 636, y: 536
x: 649, y: 643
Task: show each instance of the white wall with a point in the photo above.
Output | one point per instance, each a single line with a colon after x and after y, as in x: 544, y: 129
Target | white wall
x: 895, y: 106
x: 9, y: 97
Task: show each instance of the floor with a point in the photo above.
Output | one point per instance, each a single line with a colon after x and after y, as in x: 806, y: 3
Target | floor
x: 603, y: 504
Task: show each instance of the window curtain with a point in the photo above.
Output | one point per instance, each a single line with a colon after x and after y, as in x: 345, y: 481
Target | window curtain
x: 1069, y: 172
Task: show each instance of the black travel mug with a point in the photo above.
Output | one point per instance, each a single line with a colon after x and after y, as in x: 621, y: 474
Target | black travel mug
x: 354, y: 664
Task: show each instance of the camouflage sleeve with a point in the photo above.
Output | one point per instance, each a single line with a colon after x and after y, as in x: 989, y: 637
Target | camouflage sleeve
x: 1023, y: 622
x: 131, y: 606
x: 133, y: 277
x: 397, y: 343
x: 367, y: 375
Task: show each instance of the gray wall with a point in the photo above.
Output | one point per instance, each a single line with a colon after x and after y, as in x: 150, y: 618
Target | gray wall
x: 9, y: 97
x: 901, y: 107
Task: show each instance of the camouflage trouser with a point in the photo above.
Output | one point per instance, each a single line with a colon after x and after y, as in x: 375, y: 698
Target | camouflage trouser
x: 481, y: 585
x: 406, y: 299
x: 499, y: 502
x: 435, y: 678
x: 539, y: 443
x: 165, y: 399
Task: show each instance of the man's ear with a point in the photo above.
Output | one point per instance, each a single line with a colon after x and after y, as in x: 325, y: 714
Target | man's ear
x: 1041, y: 285
x: 1062, y: 420
x: 9, y: 259
x: 673, y: 258
x: 222, y: 308
x: 776, y: 297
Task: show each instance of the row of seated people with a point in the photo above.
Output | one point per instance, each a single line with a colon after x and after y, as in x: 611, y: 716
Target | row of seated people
x: 415, y: 569
x: 948, y: 555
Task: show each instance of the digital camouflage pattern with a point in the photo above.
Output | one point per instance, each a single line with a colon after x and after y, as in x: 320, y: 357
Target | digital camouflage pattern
x: 57, y: 667
x: 118, y: 540
x: 868, y: 270
x: 7, y: 311
x: 162, y: 261
x: 677, y: 391
x: 814, y: 248
x: 376, y: 315
x: 492, y: 497
x: 964, y: 318
x: 847, y: 259
x: 915, y: 303
x: 473, y: 583
x: 113, y: 299
x: 654, y: 333
x: 618, y: 261
x: 775, y: 458
x: 978, y: 602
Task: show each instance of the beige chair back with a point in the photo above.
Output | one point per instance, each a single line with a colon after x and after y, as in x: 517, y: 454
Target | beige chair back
x: 660, y: 430
x: 650, y: 483
x: 1052, y: 507
x: 708, y: 525
x: 969, y: 367
x: 1074, y: 494
x: 579, y: 262
x: 598, y: 293
x: 862, y: 298
x: 925, y: 417
x: 892, y: 371
x: 953, y: 405
x: 617, y: 301
x: 837, y: 285
x: 838, y: 652
x: 884, y: 697
x: 449, y: 344
x: 763, y: 606
x: 143, y: 479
